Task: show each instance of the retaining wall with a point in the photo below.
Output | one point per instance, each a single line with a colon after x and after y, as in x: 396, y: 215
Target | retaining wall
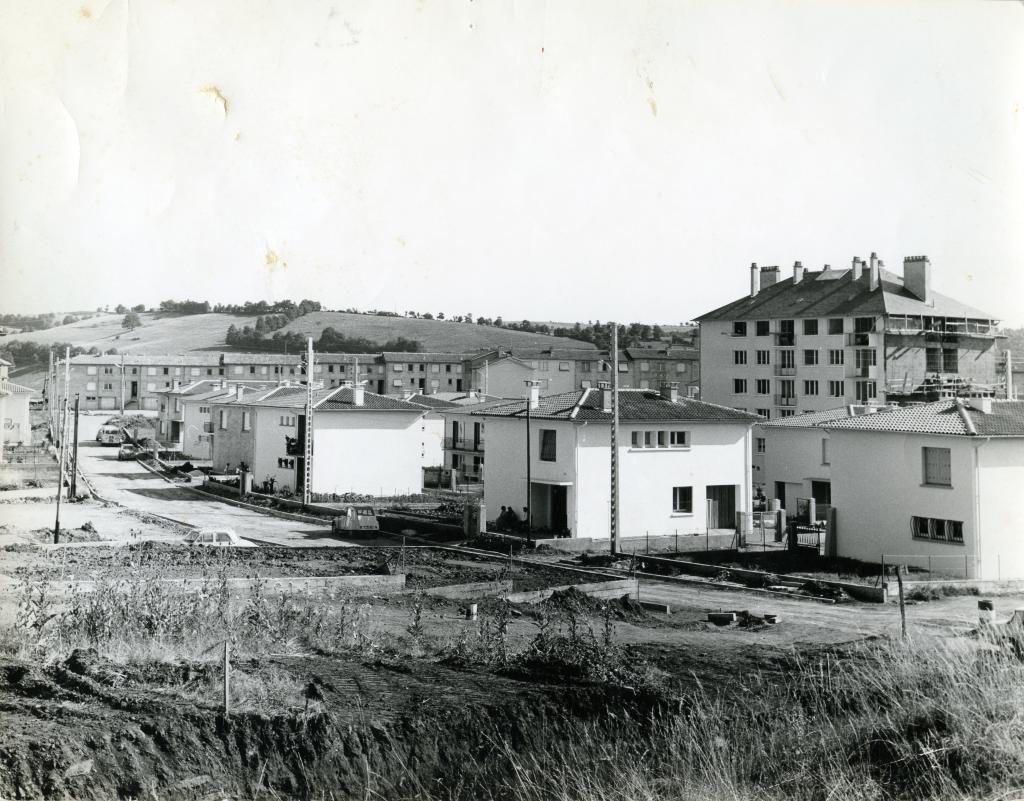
x: 629, y: 545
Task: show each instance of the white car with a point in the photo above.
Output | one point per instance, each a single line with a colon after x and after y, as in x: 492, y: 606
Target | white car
x: 218, y: 538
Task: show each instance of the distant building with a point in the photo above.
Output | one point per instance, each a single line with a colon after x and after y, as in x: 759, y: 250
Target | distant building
x: 685, y: 464
x: 186, y: 422
x: 934, y: 485
x: 818, y: 340
x: 15, y: 419
x: 464, y: 437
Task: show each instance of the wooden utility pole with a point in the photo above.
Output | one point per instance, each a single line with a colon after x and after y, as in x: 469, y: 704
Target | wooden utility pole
x: 60, y: 471
x: 122, y: 385
x: 73, y: 491
x: 307, y: 451
x: 903, y: 608
x: 614, y: 506
x: 227, y: 682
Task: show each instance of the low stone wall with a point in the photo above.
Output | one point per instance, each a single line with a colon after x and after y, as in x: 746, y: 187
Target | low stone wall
x: 638, y: 545
x: 478, y: 589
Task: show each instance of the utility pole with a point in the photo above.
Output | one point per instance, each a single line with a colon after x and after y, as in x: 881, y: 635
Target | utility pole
x: 529, y: 460
x: 122, y: 385
x: 48, y: 388
x: 73, y: 492
x: 614, y: 506
x: 60, y: 471
x: 307, y: 451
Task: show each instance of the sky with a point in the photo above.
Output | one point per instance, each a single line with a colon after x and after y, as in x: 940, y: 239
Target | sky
x: 544, y: 160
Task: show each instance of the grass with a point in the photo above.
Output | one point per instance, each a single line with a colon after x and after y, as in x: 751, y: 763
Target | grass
x: 927, y: 719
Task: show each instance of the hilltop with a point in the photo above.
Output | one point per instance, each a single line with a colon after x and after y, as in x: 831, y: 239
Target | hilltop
x: 160, y: 333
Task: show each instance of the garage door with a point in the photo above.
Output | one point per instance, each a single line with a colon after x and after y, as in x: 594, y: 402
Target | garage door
x: 108, y: 402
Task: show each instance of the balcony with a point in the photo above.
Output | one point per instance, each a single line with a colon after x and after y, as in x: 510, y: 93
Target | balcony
x: 863, y: 371
x: 785, y: 339
x: 463, y: 444
x: 5, y: 387
x: 781, y: 369
x: 861, y: 339
x: 785, y: 400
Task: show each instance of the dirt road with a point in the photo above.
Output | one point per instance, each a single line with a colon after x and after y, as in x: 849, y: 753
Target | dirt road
x: 131, y: 485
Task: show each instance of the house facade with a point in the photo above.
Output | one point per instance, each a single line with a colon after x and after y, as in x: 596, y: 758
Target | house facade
x: 935, y: 486
x: 819, y: 340
x: 15, y: 419
x: 684, y: 464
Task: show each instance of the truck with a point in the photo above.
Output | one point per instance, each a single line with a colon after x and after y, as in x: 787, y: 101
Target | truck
x: 355, y: 519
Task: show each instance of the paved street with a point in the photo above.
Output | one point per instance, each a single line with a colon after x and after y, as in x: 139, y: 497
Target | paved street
x: 131, y: 485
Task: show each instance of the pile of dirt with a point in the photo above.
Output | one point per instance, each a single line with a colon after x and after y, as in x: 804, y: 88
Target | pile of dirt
x: 572, y: 601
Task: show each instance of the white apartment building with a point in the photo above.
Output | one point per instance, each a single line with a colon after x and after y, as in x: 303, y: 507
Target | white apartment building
x: 818, y: 340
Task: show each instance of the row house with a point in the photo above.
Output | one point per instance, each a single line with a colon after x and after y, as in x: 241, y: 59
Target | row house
x: 819, y: 340
x: 362, y: 441
x: 15, y: 419
x: 556, y: 371
x: 426, y: 373
x: 684, y: 464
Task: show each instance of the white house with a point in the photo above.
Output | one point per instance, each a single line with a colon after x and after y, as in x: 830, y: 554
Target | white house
x: 15, y: 420
x: 362, y: 442
x: 933, y: 485
x: 792, y: 456
x: 684, y: 464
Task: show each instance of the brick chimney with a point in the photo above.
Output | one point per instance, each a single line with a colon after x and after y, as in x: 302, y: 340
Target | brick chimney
x: 798, y: 272
x: 755, y: 280
x: 917, y: 277
x: 670, y: 391
x: 856, y: 268
x: 769, y: 276
x: 606, y: 395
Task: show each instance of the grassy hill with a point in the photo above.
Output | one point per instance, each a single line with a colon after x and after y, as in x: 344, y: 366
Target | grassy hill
x: 433, y: 335
x: 168, y: 334
x: 157, y: 334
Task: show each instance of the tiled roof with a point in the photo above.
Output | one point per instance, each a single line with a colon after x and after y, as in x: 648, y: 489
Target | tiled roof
x: 949, y: 417
x: 661, y: 354
x: 340, y: 399
x: 193, y: 359
x: 417, y: 358
x: 814, y: 419
x: 290, y: 396
x: 834, y: 293
x: 433, y: 402
x: 635, y: 405
x: 262, y: 358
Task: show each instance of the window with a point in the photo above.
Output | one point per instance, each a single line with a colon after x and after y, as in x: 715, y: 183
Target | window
x: 739, y: 386
x: 586, y: 367
x: 787, y: 359
x: 151, y: 387
x: 762, y: 328
x: 739, y: 357
x: 936, y: 463
x: 547, y: 445
x: 932, y: 528
x: 759, y: 444
x: 238, y: 369
x: 90, y: 386
x: 810, y: 356
x: 645, y: 367
x: 223, y: 423
x: 836, y: 357
x: 662, y: 439
x: 90, y: 371
x: 177, y: 405
x: 764, y: 357
x: 177, y: 371
x: 949, y: 360
x: 682, y: 500
x: 246, y: 421
x: 108, y: 371
x: 810, y: 387
x: 866, y: 358
x: 835, y: 325
x: 680, y: 367
x: 287, y: 419
x: 648, y: 439
x: 837, y: 389
x: 637, y: 439
x: 623, y: 367
x: 204, y: 410
x: 194, y: 371
x: 787, y: 412
x: 739, y: 329
x: 764, y: 386
x: 765, y: 413
x: 866, y: 390
x: 864, y: 325
x: 151, y: 371
x: 286, y: 464
x: 436, y: 368
x: 163, y: 427
x: 396, y: 382
x: 167, y: 371
x: 824, y: 451
x: 545, y: 366
x: 398, y: 368
x: 108, y: 386
x: 810, y: 327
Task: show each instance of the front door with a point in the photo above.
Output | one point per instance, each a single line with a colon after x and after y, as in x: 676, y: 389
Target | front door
x: 559, y: 508
x: 722, y: 509
x: 135, y: 389
x: 780, y: 493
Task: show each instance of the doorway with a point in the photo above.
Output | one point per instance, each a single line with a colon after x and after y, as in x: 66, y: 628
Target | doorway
x: 135, y: 389
x: 780, y: 493
x: 721, y: 505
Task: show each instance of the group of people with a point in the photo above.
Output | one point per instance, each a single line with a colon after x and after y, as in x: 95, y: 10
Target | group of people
x: 508, y: 520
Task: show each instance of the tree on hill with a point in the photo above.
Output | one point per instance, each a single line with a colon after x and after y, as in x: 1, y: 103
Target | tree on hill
x: 131, y: 321
x: 140, y: 308
x: 120, y: 308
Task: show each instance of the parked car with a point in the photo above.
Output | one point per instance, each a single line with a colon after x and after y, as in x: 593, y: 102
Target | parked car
x: 356, y: 518
x: 217, y: 538
x: 126, y: 452
x: 109, y: 435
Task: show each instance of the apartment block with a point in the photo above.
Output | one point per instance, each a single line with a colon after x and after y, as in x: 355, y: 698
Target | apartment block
x: 822, y: 339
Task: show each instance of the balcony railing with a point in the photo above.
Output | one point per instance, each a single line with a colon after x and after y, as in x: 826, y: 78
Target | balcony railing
x: 5, y: 388
x: 863, y: 371
x: 785, y: 339
x: 860, y: 338
x: 785, y: 369
x: 462, y: 444
x: 785, y: 400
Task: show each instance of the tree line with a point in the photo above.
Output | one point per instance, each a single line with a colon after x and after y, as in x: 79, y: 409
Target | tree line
x: 330, y: 341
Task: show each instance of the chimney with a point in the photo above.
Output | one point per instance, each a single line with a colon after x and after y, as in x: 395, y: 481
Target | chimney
x: 606, y: 395
x: 798, y: 272
x: 472, y: 394
x: 755, y: 280
x: 856, y: 268
x: 223, y: 383
x: 873, y: 277
x: 917, y: 277
x: 670, y: 391
x: 177, y: 383
x: 239, y: 392
x: 769, y: 276
x: 1008, y: 367
x: 359, y: 393
x: 534, y: 396
x: 983, y: 405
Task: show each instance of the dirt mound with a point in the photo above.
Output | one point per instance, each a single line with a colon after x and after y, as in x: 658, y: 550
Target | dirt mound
x: 89, y: 729
x: 573, y: 601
